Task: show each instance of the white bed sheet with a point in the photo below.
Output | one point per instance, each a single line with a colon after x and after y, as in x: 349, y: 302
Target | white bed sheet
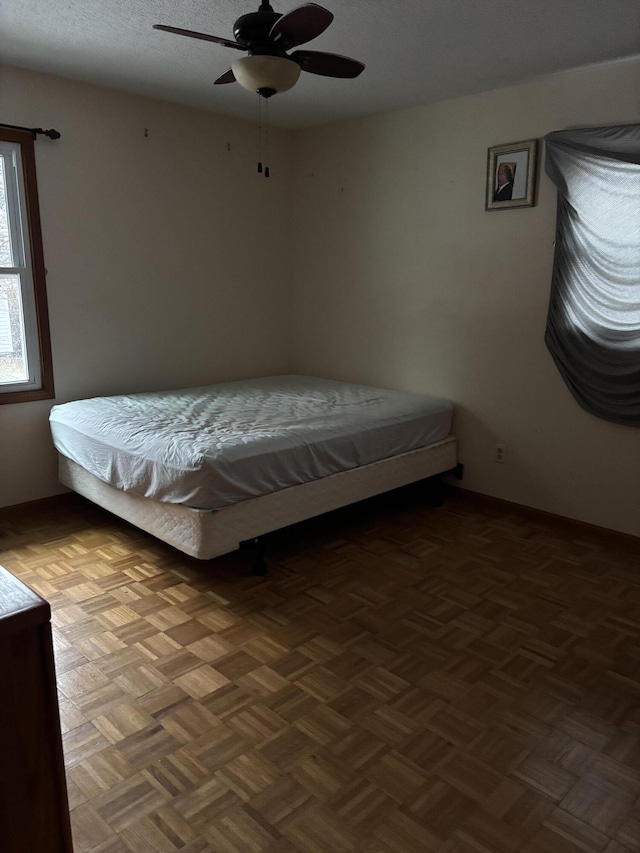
x: 214, y: 446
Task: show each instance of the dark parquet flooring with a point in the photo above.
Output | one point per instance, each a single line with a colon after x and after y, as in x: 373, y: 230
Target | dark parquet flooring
x: 406, y: 679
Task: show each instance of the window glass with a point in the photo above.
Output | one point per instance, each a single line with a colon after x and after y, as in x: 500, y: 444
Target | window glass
x: 5, y: 245
x: 13, y: 361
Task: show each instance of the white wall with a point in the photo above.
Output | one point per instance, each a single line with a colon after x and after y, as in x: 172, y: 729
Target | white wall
x: 164, y: 253
x: 403, y: 280
x: 169, y: 264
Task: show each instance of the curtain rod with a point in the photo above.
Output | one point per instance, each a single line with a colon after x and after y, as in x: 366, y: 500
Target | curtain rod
x: 52, y: 134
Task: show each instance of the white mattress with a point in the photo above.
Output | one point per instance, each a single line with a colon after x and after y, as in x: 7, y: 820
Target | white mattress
x: 214, y: 446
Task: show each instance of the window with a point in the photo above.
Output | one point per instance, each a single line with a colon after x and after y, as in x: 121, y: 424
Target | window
x: 593, y: 326
x: 25, y: 349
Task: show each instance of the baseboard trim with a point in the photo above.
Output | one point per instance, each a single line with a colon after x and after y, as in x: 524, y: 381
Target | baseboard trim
x: 50, y: 502
x: 533, y: 513
x: 66, y: 499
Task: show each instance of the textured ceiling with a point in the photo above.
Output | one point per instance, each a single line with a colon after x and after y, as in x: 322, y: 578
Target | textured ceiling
x: 416, y: 51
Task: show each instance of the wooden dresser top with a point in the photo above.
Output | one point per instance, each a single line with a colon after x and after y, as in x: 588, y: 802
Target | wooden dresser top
x: 20, y: 607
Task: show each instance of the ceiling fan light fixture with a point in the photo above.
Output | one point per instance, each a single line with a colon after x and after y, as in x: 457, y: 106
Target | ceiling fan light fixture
x: 272, y: 74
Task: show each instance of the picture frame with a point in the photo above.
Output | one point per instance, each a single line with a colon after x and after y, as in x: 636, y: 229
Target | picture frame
x: 512, y: 175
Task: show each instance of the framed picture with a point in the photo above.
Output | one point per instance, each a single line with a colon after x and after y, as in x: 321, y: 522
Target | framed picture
x: 511, y: 175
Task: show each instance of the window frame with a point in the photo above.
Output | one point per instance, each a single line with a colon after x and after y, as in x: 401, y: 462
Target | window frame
x: 36, y: 315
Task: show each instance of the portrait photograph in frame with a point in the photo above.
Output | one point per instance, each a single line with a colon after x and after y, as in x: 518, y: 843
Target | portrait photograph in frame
x: 511, y: 175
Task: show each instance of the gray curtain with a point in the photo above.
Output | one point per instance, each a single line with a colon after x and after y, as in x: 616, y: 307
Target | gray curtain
x: 593, y: 325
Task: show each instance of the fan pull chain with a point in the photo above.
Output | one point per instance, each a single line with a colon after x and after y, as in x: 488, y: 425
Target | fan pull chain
x: 259, y: 134
x: 263, y: 138
x: 266, y: 139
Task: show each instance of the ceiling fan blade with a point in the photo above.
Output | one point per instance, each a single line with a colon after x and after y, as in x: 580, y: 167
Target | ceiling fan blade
x: 227, y: 77
x: 327, y: 64
x: 203, y: 36
x: 301, y: 25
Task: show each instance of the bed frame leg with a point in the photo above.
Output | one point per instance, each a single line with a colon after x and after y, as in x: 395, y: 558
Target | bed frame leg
x: 259, y: 564
x: 435, y: 485
x: 435, y: 491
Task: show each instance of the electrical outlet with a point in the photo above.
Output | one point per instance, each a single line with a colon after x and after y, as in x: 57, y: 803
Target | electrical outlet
x: 500, y: 452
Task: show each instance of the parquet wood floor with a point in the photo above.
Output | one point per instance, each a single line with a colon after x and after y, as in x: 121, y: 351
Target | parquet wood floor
x: 463, y: 679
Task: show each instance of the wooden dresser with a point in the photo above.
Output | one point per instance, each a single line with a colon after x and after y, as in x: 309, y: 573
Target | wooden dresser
x: 34, y: 811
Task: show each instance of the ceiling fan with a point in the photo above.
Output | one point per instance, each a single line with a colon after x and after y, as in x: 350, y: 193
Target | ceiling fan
x: 266, y: 36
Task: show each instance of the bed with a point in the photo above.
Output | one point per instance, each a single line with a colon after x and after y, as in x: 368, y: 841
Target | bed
x: 206, y: 469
